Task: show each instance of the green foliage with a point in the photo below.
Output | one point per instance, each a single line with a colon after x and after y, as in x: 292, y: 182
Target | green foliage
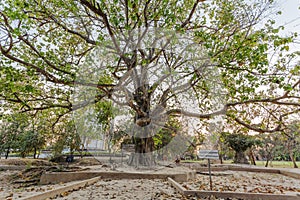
x: 238, y: 141
x: 271, y: 146
x: 12, y: 127
x: 105, y: 113
x: 67, y: 137
x: 165, y: 135
x: 61, y: 38
x: 30, y: 141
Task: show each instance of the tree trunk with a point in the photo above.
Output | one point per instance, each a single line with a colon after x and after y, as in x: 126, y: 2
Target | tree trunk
x: 34, y: 153
x: 143, y: 155
x: 267, y: 163
x: 293, y: 159
x: 251, y: 156
x: 7, y: 152
x: 221, y: 158
x: 270, y: 157
x: 240, y: 158
x: 144, y: 144
x: 81, y: 149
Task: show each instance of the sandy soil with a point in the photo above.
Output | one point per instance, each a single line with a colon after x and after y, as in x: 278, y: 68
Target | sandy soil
x: 150, y: 189
x: 159, y: 189
x: 246, y: 182
x: 104, y: 189
x: 126, y: 189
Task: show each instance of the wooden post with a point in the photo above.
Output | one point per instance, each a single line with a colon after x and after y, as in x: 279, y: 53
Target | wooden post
x: 209, y: 171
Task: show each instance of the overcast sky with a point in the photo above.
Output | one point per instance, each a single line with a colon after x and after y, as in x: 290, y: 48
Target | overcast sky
x: 290, y: 19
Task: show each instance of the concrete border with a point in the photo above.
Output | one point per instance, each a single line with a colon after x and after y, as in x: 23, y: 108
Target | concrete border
x: 249, y: 196
x: 254, y: 169
x: 176, y: 185
x: 240, y: 195
x: 285, y: 172
x: 58, y: 177
x: 53, y: 193
x: 237, y: 168
x: 290, y: 174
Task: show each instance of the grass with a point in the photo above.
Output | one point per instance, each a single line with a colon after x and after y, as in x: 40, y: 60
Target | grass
x: 278, y: 164
x: 275, y: 164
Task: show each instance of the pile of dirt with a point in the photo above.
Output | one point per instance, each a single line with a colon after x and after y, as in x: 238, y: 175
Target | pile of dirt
x: 27, y: 177
x: 36, y: 167
x: 27, y: 162
x: 87, y: 162
x: 31, y: 176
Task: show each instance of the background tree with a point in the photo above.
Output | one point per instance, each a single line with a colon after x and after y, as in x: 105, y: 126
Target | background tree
x: 292, y: 135
x: 271, y: 145
x: 105, y: 115
x: 239, y: 142
x: 30, y: 141
x: 66, y: 136
x: 13, y: 126
x: 195, y: 143
x: 223, y: 147
x: 164, y: 137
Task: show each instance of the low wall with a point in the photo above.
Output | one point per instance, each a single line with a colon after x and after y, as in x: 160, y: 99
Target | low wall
x: 290, y: 174
x: 58, y: 177
x: 58, y: 191
x: 285, y: 172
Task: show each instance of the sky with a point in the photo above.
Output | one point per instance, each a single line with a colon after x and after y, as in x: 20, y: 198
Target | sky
x: 290, y: 19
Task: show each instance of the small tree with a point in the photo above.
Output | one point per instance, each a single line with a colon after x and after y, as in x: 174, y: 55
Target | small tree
x: 223, y: 148
x: 31, y: 141
x: 292, y: 141
x: 67, y: 137
x: 271, y: 145
x: 13, y: 126
x: 105, y: 114
x: 239, y: 143
x: 165, y: 135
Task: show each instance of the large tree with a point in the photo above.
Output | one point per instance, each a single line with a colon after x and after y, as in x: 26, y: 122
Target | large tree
x: 151, y: 57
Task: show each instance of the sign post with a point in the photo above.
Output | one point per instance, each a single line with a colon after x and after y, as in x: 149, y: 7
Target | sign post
x: 127, y: 148
x: 209, y: 154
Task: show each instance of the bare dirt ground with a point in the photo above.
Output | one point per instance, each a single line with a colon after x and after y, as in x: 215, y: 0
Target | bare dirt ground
x: 10, y: 190
x: 126, y: 189
x: 16, y: 184
x: 246, y: 182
